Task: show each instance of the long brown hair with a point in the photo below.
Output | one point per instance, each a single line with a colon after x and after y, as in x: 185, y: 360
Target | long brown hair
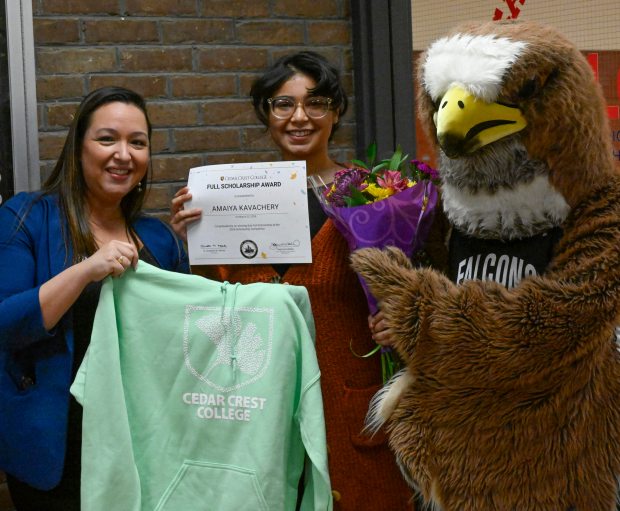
x: 67, y: 178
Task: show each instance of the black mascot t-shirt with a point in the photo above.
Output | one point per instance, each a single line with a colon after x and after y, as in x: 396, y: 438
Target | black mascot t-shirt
x: 505, y: 262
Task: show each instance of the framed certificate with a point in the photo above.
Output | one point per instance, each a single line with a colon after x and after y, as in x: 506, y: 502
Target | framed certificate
x: 252, y: 213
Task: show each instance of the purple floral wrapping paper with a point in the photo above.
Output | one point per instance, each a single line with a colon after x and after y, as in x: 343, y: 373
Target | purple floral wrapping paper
x: 402, y: 220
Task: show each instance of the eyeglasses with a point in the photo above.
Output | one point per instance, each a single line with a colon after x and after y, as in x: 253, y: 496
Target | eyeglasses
x: 283, y: 107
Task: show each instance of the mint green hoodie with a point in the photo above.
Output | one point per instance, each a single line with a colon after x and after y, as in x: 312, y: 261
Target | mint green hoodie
x: 200, y: 395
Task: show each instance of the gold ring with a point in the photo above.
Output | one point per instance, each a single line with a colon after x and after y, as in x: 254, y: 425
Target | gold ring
x: 120, y: 260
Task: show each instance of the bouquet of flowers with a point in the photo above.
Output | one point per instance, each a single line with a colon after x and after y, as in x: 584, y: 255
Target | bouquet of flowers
x: 389, y: 204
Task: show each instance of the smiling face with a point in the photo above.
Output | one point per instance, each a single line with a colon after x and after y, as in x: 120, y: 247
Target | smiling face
x: 301, y: 137
x: 115, y: 153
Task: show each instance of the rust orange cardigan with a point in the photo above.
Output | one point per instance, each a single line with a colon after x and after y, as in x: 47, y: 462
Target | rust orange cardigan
x: 363, y: 472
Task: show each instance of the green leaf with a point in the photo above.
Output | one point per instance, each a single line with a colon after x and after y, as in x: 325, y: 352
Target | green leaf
x: 396, y: 159
x: 359, y: 163
x: 351, y: 202
x: 372, y: 352
x: 379, y: 167
x: 356, y: 198
x: 371, y: 154
x: 404, y: 172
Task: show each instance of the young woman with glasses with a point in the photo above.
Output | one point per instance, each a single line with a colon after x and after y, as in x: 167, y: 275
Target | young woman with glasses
x: 301, y: 100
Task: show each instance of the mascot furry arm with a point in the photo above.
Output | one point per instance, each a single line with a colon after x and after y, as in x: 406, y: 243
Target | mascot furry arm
x: 509, y: 399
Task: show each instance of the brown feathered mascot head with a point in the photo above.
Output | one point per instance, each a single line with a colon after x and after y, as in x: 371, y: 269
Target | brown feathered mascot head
x: 509, y: 396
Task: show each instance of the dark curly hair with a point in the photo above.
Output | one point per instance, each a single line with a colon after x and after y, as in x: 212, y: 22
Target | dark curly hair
x: 309, y: 63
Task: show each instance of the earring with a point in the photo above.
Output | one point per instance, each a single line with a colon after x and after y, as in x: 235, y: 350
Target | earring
x: 139, y: 186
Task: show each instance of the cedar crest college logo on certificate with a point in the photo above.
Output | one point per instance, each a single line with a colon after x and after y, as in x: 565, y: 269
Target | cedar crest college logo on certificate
x: 227, y: 348
x: 248, y: 249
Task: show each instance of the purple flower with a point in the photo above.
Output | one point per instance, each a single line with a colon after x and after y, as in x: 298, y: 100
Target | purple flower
x: 426, y: 169
x: 343, y: 181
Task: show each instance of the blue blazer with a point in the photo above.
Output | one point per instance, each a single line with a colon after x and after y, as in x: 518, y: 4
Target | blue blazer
x: 33, y: 416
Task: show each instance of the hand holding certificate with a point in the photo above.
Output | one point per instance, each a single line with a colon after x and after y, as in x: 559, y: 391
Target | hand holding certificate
x: 253, y: 213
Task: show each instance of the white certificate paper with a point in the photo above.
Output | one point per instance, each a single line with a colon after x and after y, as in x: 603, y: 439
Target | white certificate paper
x: 252, y: 213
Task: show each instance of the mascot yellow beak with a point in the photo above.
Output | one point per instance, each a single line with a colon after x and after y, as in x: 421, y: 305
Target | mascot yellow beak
x: 465, y: 123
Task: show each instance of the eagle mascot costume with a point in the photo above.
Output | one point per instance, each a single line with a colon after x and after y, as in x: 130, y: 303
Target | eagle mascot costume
x: 509, y: 396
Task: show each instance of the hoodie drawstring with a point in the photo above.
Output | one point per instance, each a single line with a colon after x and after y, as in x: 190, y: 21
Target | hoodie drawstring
x: 227, y: 321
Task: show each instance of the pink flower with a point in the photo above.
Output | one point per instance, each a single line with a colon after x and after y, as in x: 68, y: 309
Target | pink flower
x: 392, y: 179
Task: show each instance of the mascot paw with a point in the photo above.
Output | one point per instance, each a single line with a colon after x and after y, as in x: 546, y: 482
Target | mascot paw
x: 383, y: 270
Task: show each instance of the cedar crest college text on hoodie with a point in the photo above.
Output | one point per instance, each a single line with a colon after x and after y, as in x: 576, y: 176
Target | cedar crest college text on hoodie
x: 200, y: 395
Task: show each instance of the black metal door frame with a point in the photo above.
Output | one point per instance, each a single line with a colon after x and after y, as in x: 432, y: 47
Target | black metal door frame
x: 383, y: 68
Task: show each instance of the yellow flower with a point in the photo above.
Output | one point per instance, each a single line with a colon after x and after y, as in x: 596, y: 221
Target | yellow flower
x: 379, y: 193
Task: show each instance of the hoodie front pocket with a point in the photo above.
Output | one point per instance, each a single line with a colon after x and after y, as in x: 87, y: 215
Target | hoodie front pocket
x: 202, y: 486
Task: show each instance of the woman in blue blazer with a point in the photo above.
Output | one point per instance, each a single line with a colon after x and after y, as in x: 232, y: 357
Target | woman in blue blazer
x: 56, y: 246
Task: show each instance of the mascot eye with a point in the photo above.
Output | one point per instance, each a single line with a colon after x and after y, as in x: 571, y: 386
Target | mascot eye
x: 528, y: 89
x: 533, y: 86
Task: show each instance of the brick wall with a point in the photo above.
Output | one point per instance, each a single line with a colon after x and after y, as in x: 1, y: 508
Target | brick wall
x: 194, y: 61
